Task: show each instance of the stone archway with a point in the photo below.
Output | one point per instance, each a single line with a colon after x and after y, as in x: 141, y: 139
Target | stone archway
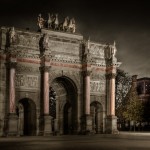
x: 65, y: 121
x: 26, y: 112
x: 96, y: 111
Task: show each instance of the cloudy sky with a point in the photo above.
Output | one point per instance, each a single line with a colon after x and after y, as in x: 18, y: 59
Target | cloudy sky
x: 125, y: 21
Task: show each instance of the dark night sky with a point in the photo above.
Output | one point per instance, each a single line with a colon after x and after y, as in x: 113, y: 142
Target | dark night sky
x: 125, y: 21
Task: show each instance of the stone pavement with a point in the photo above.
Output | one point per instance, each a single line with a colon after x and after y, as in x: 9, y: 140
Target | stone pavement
x: 121, y: 141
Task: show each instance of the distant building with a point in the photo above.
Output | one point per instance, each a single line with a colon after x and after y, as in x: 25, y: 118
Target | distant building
x: 143, y: 88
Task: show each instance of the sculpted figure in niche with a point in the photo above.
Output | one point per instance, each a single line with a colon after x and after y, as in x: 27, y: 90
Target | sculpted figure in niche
x: 97, y: 87
x: 91, y: 86
x: 45, y: 41
x: 108, y: 54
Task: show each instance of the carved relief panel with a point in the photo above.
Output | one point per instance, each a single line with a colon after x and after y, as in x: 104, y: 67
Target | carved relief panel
x: 29, y: 40
x: 97, y: 50
x: 26, y: 81
x: 97, y: 86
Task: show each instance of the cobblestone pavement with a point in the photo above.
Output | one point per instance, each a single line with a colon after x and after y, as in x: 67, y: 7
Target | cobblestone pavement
x: 122, y: 141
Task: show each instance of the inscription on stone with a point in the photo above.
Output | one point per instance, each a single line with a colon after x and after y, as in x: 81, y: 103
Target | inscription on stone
x: 64, y: 47
x: 97, y: 86
x: 26, y: 81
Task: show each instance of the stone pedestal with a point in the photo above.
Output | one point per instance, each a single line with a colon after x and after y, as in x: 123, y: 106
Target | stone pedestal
x: 86, y: 124
x: 111, y: 125
x: 12, y: 125
x: 47, y: 125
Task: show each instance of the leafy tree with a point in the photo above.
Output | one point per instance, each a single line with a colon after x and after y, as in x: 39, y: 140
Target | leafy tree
x: 134, y: 106
x: 123, y: 84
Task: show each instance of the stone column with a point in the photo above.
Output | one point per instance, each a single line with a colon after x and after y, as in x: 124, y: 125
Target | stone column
x: 46, y: 89
x: 112, y: 94
x: 12, y: 117
x: 87, y: 92
x: 47, y: 117
x: 87, y: 117
x: 111, y: 120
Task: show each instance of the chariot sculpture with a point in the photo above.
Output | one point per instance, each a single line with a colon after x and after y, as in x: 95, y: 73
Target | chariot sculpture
x: 68, y: 25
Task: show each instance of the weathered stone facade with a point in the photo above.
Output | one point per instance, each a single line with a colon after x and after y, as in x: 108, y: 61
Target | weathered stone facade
x: 82, y: 74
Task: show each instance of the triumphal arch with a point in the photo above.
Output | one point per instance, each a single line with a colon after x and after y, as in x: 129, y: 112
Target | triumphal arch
x: 55, y: 82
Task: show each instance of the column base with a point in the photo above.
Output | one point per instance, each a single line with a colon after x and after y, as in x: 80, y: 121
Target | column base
x: 12, y: 125
x: 86, y: 124
x: 56, y: 130
x: 47, y: 125
x: 2, y: 128
x: 111, y: 125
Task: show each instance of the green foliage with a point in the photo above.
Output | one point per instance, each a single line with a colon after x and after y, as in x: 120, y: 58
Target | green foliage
x: 134, y: 107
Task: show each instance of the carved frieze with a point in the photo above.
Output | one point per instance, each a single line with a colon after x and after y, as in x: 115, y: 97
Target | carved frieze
x: 26, y: 81
x: 97, y: 86
x: 27, y: 69
x: 66, y: 58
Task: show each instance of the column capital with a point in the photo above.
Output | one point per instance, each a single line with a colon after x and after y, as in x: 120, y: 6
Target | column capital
x: 110, y: 76
x: 45, y: 58
x: 11, y: 64
x: 87, y: 73
x: 45, y: 68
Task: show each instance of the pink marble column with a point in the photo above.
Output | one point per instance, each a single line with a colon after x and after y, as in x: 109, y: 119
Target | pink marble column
x: 111, y: 119
x: 112, y: 95
x: 87, y: 92
x: 46, y: 89
x: 12, y: 73
x: 45, y: 93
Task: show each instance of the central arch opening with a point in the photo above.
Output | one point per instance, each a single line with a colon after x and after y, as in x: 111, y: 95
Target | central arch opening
x: 65, y: 120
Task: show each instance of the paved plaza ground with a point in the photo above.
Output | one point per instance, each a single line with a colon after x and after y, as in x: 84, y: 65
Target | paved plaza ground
x: 122, y: 141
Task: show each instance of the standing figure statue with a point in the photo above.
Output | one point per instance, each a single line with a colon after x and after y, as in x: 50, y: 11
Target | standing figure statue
x: 114, y: 49
x: 49, y: 21
x: 71, y: 26
x: 108, y: 51
x: 12, y: 35
x: 45, y: 42
x: 56, y: 22
x: 65, y: 24
x: 41, y: 21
